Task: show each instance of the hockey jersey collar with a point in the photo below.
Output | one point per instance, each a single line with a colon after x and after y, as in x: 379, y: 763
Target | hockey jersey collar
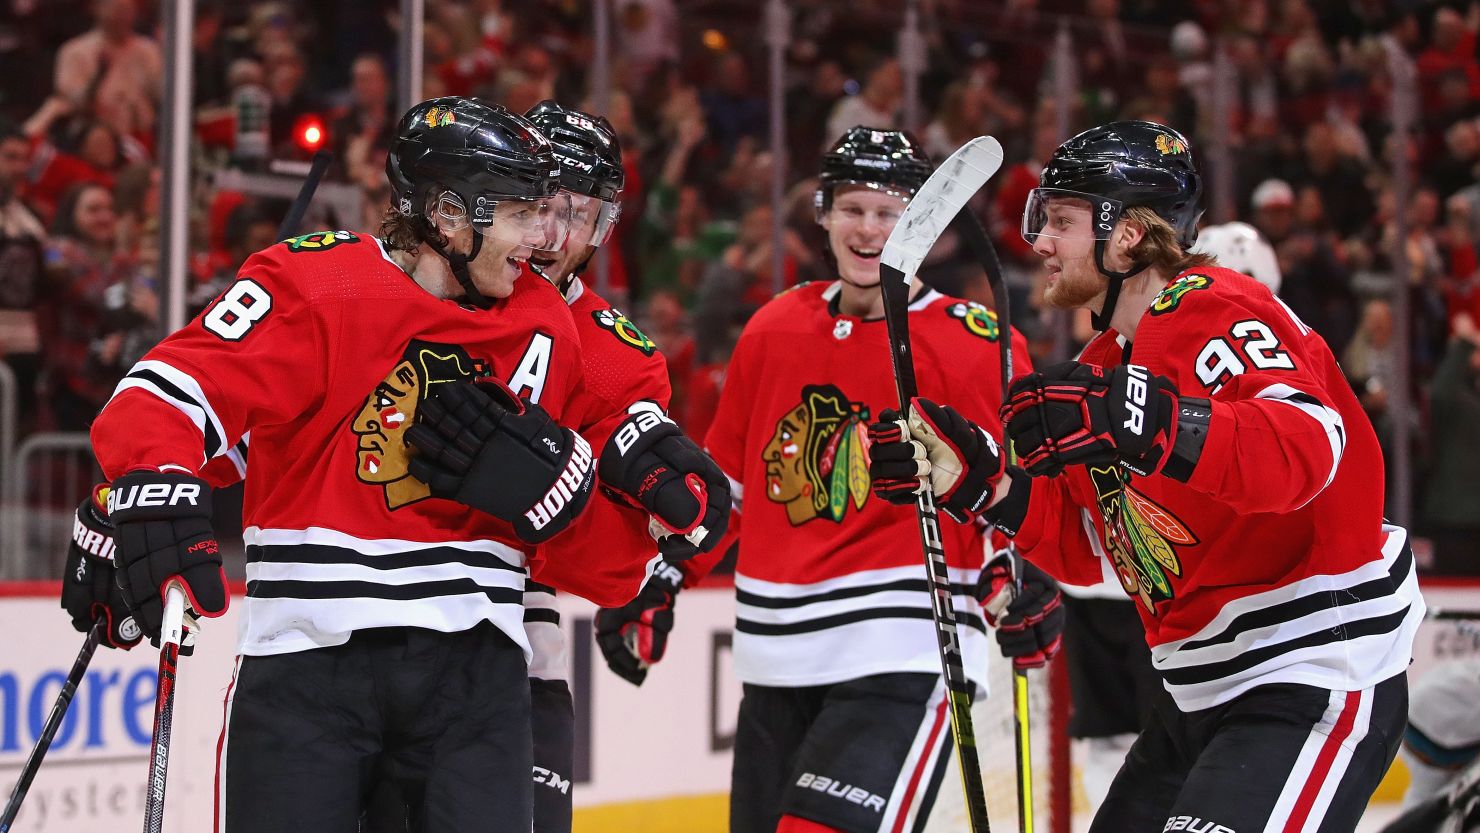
x: 834, y: 289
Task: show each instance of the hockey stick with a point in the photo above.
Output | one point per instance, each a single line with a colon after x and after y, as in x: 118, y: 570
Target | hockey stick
x: 316, y: 170
x: 986, y: 254
x: 171, y: 632
x: 923, y: 220
x: 53, y: 722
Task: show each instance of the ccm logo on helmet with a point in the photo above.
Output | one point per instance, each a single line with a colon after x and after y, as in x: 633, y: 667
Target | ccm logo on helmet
x: 154, y: 494
x: 1135, y: 398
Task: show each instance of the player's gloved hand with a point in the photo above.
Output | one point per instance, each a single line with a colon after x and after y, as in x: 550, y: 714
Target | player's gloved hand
x: 650, y: 461
x: 1030, y: 623
x: 162, y: 523
x: 89, y: 591
x: 962, y: 462
x: 634, y: 636
x: 480, y: 445
x: 1080, y: 414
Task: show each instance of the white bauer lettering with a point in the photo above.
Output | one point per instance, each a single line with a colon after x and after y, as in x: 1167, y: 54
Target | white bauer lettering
x: 1136, y: 403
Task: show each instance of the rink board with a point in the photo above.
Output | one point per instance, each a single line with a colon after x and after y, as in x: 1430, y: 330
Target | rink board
x: 655, y: 758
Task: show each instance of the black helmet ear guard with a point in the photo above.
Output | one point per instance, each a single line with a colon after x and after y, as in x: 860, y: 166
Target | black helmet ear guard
x: 1121, y: 165
x: 482, y: 154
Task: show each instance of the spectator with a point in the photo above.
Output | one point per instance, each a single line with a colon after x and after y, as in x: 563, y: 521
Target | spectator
x: 731, y: 108
x: 362, y: 134
x: 1274, y: 209
x: 959, y: 118
x: 291, y: 99
x: 1451, y: 50
x: 1340, y: 180
x: 1453, y: 490
x: 22, y: 241
x: 82, y: 261
x: 1456, y: 167
x: 877, y: 105
x: 112, y: 71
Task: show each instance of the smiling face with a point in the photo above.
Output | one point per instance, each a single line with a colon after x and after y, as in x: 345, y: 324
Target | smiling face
x: 858, y: 224
x: 1066, y: 242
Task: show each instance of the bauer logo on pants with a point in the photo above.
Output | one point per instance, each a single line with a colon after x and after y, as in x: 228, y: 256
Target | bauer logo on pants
x: 380, y: 426
x: 815, y: 461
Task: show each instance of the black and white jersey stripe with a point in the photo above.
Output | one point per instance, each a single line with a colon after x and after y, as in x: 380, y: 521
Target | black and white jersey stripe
x: 1343, y: 632
x: 181, y: 391
x: 869, y: 622
x: 310, y: 588
x: 546, y: 639
x: 1329, y: 419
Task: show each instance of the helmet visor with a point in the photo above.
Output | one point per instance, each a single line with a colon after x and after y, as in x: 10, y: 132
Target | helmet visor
x: 1059, y: 213
x: 536, y: 222
x: 591, y: 219
x: 827, y: 196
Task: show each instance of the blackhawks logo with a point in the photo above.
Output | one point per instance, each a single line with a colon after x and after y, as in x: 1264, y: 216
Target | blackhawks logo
x: 815, y: 462
x: 1170, y: 296
x: 977, y: 319
x: 440, y: 117
x: 626, y: 332
x: 380, y: 426
x: 1166, y: 145
x: 319, y: 241
x: 1140, y: 537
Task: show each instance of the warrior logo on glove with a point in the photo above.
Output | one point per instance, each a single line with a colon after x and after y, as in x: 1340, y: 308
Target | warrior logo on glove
x: 816, y: 461
x: 380, y: 426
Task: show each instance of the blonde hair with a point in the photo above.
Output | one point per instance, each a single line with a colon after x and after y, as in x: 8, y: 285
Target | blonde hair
x: 1158, y: 247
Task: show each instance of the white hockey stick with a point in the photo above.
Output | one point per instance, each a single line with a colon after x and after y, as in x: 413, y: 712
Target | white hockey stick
x: 932, y: 208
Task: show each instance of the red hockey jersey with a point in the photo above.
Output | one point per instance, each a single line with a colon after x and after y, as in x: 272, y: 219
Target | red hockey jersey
x: 323, y: 350
x: 1272, y: 563
x: 621, y: 367
x: 830, y: 581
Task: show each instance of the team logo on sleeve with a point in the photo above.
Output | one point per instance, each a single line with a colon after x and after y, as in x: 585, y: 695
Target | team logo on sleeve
x: 815, y: 461
x: 977, y: 319
x: 320, y: 241
x: 380, y: 426
x: 626, y: 332
x: 1170, y: 297
x: 1141, y: 538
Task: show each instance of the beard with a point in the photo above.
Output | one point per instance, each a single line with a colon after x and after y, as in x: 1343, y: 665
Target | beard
x: 1072, y: 291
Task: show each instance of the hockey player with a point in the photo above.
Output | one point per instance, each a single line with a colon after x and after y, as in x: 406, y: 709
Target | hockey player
x: 1229, y: 477
x: 625, y: 398
x: 382, y: 629
x: 843, y: 722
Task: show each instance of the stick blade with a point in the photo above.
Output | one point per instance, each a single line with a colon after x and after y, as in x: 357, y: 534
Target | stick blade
x: 938, y: 201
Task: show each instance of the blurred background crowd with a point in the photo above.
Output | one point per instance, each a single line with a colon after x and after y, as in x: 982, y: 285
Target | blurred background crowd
x: 1297, y: 95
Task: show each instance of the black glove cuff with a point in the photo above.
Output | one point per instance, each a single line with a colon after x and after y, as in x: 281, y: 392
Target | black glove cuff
x: 1009, y: 513
x: 158, y: 496
x: 1193, y: 418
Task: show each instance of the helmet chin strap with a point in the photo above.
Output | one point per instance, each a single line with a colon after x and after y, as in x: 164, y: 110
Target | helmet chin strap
x: 1101, y: 320
x: 459, y: 264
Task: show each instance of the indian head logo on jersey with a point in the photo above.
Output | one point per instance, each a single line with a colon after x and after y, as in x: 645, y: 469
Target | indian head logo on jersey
x: 1140, y: 537
x: 815, y: 462
x: 380, y: 426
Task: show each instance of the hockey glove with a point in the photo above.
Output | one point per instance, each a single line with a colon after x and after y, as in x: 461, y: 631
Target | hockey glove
x: 1079, y: 414
x: 1030, y: 623
x: 634, y: 636
x: 961, y: 461
x: 163, y: 534
x: 89, y: 590
x: 650, y: 461
x: 483, y: 447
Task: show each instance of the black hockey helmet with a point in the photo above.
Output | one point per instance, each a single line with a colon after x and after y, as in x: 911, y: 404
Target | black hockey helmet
x: 889, y: 160
x: 1116, y: 166
x: 587, y: 148
x: 482, y: 153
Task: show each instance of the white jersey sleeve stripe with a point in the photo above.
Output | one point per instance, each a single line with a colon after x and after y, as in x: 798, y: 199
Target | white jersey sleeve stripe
x: 1328, y: 418
x: 180, y: 390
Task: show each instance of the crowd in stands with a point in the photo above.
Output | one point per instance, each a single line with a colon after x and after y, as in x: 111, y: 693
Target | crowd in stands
x: 1308, y: 125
